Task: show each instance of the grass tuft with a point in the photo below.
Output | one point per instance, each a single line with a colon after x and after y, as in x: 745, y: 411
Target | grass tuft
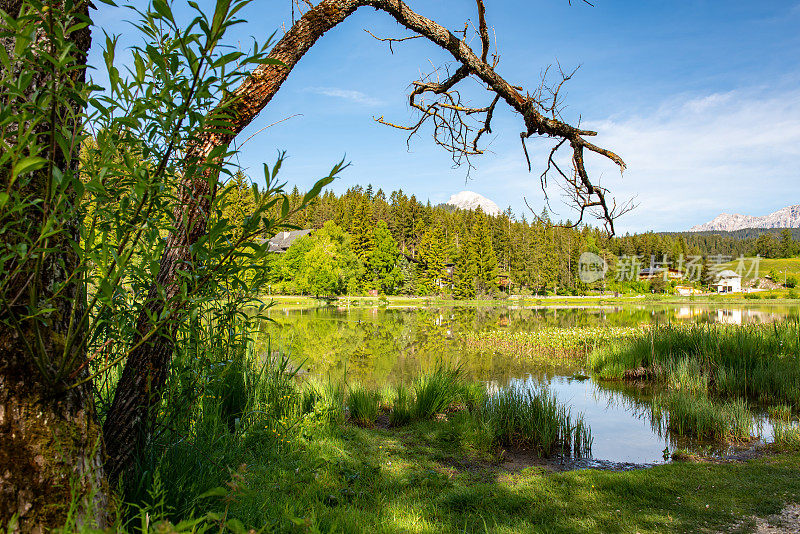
x: 697, y: 416
x: 362, y: 405
x: 519, y: 415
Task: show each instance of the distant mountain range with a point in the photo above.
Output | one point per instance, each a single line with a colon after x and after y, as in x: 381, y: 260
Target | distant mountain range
x: 785, y: 218
x: 468, y: 200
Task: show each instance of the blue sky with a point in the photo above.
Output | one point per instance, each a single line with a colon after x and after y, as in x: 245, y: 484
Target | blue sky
x: 701, y: 98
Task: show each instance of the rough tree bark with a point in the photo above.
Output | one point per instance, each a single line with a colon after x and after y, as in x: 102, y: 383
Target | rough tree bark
x: 51, y: 439
x: 146, y: 369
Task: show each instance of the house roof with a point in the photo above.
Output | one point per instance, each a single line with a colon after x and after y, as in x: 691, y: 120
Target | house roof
x: 281, y: 241
x: 727, y: 274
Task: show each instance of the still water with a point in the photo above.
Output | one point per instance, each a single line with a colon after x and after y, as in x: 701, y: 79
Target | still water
x: 388, y: 346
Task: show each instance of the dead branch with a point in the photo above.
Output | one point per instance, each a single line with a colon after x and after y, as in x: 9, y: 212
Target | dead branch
x: 391, y: 40
x: 203, y: 160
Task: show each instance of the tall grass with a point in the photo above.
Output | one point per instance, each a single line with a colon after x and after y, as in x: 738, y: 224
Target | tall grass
x: 436, y: 392
x: 520, y: 415
x: 760, y: 362
x: 697, y: 416
x: 362, y: 405
x: 785, y: 432
x: 402, y: 408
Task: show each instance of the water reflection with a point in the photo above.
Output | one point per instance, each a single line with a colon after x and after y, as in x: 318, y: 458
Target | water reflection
x: 379, y: 346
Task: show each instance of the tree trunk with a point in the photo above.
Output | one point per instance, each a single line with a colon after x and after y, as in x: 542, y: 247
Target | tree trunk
x: 145, y: 372
x: 51, y: 453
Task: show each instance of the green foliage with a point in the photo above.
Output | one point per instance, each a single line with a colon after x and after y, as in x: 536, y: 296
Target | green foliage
x: 328, y: 267
x: 432, y: 255
x: 465, y: 272
x: 382, y: 267
x: 107, y: 201
x: 486, y: 260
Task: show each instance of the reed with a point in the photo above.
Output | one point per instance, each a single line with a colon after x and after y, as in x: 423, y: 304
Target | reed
x: 362, y: 405
x: 759, y: 362
x: 697, y: 416
x: 437, y: 391
x: 402, y: 407
x: 521, y: 416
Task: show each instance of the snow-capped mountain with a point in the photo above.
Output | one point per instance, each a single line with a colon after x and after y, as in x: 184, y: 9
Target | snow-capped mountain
x: 468, y: 200
x: 785, y: 218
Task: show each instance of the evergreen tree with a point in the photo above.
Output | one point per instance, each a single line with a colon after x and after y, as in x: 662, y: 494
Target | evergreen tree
x: 432, y: 259
x: 382, y: 264
x: 786, y: 246
x: 465, y: 271
x: 486, y: 260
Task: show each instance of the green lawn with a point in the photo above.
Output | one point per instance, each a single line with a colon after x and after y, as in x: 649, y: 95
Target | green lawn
x: 790, y: 265
x: 426, y: 478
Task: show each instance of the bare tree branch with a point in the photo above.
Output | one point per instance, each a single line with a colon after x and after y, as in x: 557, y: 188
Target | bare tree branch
x: 439, y: 102
x: 391, y: 40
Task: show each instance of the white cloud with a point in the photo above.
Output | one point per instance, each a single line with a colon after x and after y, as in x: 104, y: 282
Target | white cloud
x: 346, y: 94
x: 693, y: 158
x: 689, y: 159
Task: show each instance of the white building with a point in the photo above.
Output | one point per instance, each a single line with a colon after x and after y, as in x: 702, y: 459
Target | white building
x: 728, y: 282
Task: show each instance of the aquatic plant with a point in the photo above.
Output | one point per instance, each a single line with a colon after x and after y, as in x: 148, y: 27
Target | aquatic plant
x: 521, y: 415
x: 761, y: 362
x: 547, y: 343
x: 786, y: 435
x: 697, y: 416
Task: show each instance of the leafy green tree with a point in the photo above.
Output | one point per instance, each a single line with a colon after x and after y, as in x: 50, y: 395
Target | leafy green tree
x: 329, y: 267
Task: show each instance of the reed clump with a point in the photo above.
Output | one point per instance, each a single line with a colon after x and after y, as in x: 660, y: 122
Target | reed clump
x: 759, y: 362
x: 362, y: 405
x: 522, y: 416
x: 691, y: 415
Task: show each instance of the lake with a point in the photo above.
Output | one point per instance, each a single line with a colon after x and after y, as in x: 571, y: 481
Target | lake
x: 500, y: 346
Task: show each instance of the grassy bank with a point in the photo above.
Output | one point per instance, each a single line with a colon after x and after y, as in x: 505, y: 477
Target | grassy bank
x: 425, y: 478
